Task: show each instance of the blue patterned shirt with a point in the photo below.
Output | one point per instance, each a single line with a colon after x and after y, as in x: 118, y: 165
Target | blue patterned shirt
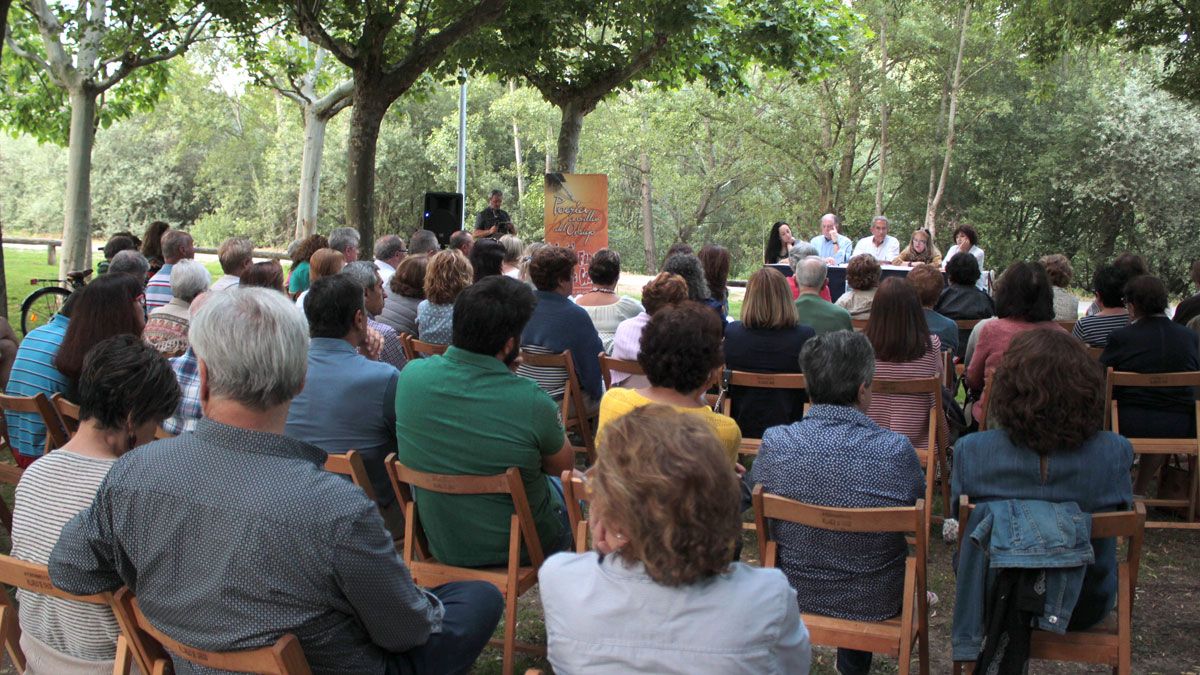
x: 837, y: 456
x: 33, y: 372
x: 435, y: 323
x: 189, y: 412
x: 231, y: 538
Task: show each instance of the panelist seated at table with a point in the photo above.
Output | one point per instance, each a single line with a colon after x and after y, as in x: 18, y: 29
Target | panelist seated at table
x: 884, y: 247
x: 834, y: 247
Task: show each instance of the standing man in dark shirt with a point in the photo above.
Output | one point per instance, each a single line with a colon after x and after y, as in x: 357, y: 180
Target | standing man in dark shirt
x: 494, y: 222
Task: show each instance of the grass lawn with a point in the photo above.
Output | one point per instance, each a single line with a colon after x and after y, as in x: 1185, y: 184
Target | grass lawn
x: 23, y: 264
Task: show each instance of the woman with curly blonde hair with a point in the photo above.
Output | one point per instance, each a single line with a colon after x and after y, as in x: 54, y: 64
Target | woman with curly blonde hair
x: 659, y: 592
x: 447, y: 274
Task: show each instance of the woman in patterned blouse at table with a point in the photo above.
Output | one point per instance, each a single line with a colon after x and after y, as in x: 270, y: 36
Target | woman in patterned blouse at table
x: 126, y: 389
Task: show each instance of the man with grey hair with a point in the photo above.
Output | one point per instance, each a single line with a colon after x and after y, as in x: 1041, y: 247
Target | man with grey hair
x: 345, y: 240
x: 236, y: 255
x: 167, y: 327
x: 130, y: 262
x: 832, y: 246
x: 462, y: 241
x: 423, y: 242
x: 366, y: 276
x: 881, y: 245
x: 812, y: 309
x: 838, y: 456
x: 248, y: 523
x: 176, y: 245
x: 389, y: 251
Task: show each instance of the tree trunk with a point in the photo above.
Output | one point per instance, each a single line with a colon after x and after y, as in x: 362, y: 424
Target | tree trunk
x: 310, y: 173
x: 77, y: 209
x: 365, y: 119
x: 4, y: 5
x: 884, y: 114
x: 647, y: 216
x: 573, y: 113
x: 931, y: 211
x: 512, y: 88
x: 850, y: 145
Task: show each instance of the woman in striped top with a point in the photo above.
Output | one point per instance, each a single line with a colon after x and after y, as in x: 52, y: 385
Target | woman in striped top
x: 904, y: 350
x: 1108, y: 283
x: 126, y: 389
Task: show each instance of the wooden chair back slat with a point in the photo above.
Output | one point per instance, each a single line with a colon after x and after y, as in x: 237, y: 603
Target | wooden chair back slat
x: 859, y: 325
x: 350, y: 464
x: 1095, y: 352
x: 39, y: 404
x: 609, y: 365
x: 967, y: 324
x: 889, y: 519
x: 68, y: 413
x: 1179, y: 379
x: 745, y: 378
x: 406, y: 345
x: 574, y: 413
x: 423, y: 349
x: 1068, y: 326
x: 285, y: 657
x: 576, y: 493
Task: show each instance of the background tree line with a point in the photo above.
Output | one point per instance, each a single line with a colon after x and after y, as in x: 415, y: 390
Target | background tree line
x: 930, y: 112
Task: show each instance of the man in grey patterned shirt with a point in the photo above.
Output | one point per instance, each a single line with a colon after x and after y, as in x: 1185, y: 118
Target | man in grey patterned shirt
x: 234, y: 534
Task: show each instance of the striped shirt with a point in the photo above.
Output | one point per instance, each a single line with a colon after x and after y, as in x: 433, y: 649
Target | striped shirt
x: 52, y: 490
x: 907, y: 414
x: 158, y: 289
x: 1096, y: 328
x: 33, y: 372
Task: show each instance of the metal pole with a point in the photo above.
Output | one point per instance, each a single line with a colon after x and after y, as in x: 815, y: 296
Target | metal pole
x: 462, y: 143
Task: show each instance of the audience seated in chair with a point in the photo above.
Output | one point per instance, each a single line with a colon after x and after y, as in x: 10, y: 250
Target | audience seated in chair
x: 446, y: 275
x: 407, y: 290
x: 1152, y: 344
x: 1109, y: 286
x: 125, y: 391
x: 862, y: 281
x: 904, y: 350
x: 688, y: 266
x: 352, y: 405
x: 962, y: 299
x: 187, y: 374
x: 366, y: 275
x: 32, y: 373
x: 837, y: 456
x: 1024, y: 301
x: 466, y: 413
x: 1059, y: 271
x: 1047, y: 400
x: 1190, y: 308
x: 236, y: 255
x: 812, y: 308
x: 607, y: 309
x: 167, y: 327
x: 928, y: 281
x: 558, y: 324
x: 237, y: 520
x: 681, y: 355
x: 659, y: 594
x: 768, y: 339
x: 661, y: 291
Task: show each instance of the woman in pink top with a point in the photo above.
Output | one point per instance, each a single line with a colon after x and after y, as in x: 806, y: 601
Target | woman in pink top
x: 904, y: 350
x: 1024, y: 301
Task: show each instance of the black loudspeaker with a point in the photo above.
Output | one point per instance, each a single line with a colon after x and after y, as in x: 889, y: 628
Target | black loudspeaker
x: 443, y: 214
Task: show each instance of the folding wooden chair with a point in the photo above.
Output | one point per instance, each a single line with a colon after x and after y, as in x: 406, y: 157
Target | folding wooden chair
x: 933, y: 454
x: 741, y: 378
x: 68, y: 413
x: 285, y: 657
x: 36, y: 579
x: 542, y: 367
x: 608, y: 365
x: 39, y: 404
x: 11, y: 475
x: 1095, y: 352
x: 512, y: 580
x: 1068, y: 326
x: 894, y: 637
x: 949, y: 371
x: 350, y: 464
x: 1188, y: 447
x: 575, y: 494
x: 859, y: 324
x: 406, y: 345
x: 1110, y: 642
x: 421, y: 349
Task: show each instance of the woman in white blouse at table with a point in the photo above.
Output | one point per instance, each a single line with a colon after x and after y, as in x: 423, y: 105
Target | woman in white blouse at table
x: 603, y: 305
x: 660, y: 592
x: 966, y: 240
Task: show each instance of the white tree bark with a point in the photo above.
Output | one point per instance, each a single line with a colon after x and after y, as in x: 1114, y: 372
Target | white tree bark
x: 955, y: 87
x: 77, y: 207
x: 512, y: 88
x: 884, y: 114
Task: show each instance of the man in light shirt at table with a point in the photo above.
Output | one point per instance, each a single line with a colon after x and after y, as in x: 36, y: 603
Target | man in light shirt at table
x: 880, y: 244
x: 831, y: 245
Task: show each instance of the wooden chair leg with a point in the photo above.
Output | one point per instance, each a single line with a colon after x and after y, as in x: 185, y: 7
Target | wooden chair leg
x: 10, y: 631
x: 124, y: 662
x: 510, y: 630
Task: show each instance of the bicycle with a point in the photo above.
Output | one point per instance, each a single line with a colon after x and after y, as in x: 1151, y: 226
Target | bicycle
x: 41, y: 305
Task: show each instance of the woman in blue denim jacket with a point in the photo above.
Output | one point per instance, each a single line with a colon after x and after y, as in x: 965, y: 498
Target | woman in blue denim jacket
x: 1047, y: 400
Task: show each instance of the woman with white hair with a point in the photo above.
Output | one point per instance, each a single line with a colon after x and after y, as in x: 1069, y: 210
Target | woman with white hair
x: 513, y: 250
x: 167, y: 328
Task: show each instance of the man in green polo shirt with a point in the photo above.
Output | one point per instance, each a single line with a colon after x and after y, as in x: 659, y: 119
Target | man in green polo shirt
x: 813, y: 310
x: 466, y: 413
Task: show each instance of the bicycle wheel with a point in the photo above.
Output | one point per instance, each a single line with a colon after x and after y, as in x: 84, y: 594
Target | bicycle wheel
x: 41, y: 306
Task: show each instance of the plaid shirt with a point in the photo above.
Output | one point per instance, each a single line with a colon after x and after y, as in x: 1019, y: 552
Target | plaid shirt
x: 187, y: 371
x: 393, y: 351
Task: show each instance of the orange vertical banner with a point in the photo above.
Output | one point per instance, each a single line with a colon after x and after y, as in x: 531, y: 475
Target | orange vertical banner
x: 577, y: 218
